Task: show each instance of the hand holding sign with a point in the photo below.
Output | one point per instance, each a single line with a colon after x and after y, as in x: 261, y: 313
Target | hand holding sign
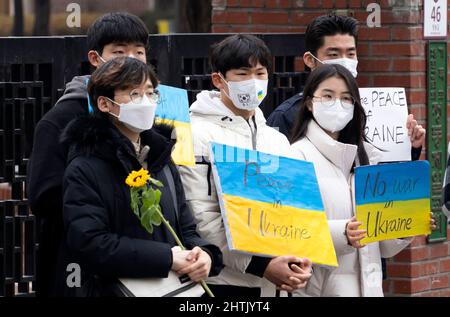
x: 354, y: 235
x: 433, y: 222
x: 416, y: 132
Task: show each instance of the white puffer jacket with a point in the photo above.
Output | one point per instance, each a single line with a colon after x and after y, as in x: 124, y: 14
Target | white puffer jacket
x: 359, y: 272
x: 212, y: 121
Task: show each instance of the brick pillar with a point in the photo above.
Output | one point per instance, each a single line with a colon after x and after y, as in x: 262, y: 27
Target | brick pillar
x: 420, y: 270
x: 391, y: 55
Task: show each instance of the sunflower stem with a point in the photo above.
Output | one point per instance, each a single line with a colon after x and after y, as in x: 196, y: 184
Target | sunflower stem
x: 175, y: 236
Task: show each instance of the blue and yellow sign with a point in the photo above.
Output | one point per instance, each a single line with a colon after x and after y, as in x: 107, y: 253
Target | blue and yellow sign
x: 173, y: 109
x: 271, y: 205
x: 393, y: 200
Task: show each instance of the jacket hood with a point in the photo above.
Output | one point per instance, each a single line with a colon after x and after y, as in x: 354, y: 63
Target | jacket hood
x: 95, y: 136
x: 208, y: 103
x: 76, y: 89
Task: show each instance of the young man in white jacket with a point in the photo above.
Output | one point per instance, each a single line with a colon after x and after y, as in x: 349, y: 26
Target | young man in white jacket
x: 240, y: 70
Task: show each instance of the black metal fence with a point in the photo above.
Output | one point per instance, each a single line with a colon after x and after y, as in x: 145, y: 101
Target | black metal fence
x: 33, y: 73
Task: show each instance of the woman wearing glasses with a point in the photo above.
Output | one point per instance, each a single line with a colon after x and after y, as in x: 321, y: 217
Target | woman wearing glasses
x: 330, y: 133
x: 102, y: 234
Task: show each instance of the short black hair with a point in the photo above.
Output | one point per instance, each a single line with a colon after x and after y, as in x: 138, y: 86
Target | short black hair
x: 118, y: 73
x: 328, y: 25
x: 237, y: 51
x: 117, y: 27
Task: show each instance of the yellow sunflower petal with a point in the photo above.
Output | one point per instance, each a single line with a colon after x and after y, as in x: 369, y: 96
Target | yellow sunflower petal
x: 137, y: 178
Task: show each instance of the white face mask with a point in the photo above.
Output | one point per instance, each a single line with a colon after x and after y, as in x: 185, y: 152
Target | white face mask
x: 247, y: 94
x: 137, y: 117
x: 333, y: 118
x: 350, y: 64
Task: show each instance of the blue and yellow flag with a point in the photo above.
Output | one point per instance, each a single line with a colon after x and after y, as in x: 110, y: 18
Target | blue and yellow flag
x: 393, y: 200
x: 271, y: 205
x: 173, y: 109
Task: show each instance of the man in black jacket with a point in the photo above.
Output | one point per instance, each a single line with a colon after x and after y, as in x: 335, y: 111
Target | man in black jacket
x: 332, y: 39
x: 112, y: 35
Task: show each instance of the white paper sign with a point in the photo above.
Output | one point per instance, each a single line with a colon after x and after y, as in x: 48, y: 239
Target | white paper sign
x: 435, y: 19
x: 387, y: 112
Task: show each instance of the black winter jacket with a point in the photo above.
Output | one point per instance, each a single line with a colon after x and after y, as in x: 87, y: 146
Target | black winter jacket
x: 102, y: 234
x: 45, y: 176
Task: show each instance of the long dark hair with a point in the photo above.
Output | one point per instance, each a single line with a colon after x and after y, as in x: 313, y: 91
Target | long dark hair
x: 353, y: 133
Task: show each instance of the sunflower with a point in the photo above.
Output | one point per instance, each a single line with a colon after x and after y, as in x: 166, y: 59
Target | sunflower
x: 137, y: 178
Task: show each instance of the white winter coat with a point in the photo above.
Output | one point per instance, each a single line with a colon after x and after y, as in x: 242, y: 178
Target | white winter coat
x: 359, y: 272
x: 212, y: 121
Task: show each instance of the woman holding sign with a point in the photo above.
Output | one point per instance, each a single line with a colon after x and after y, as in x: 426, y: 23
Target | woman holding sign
x: 330, y: 133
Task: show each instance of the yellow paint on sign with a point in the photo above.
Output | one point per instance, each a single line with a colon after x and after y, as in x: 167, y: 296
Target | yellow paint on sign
x: 392, y: 220
x: 268, y: 229
x: 183, y: 152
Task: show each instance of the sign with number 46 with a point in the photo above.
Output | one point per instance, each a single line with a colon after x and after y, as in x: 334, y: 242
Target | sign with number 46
x: 435, y: 19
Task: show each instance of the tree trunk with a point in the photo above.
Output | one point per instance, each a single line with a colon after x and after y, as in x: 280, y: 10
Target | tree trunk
x: 195, y: 16
x: 18, y: 18
x: 42, y: 17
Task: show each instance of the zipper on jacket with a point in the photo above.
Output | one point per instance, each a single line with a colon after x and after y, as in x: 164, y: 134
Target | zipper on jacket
x: 226, y: 117
x: 204, y: 162
x: 254, y: 133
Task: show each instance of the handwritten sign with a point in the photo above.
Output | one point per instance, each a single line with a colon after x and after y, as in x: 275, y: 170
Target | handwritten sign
x: 271, y: 205
x: 173, y: 109
x: 387, y: 112
x: 393, y: 200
